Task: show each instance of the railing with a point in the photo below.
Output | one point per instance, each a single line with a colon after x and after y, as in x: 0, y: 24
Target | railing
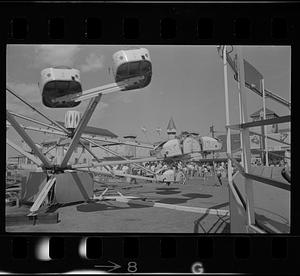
x: 268, y: 93
x: 242, y: 211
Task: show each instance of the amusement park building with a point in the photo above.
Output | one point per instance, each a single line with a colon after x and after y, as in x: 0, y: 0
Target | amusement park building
x: 277, y: 151
x: 81, y: 155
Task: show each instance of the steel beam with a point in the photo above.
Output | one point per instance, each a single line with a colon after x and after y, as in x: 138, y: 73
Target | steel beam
x: 27, y: 154
x: 245, y: 140
x: 94, y: 92
x: 270, y: 138
x: 115, y: 140
x: 283, y: 119
x: 262, y: 179
x: 269, y: 94
x: 44, y: 130
x: 99, y: 139
x: 119, y: 162
x: 34, y: 121
x: 27, y: 139
x: 80, y: 128
x: 274, y: 154
x: 119, y: 174
x: 33, y: 108
x: 42, y: 195
x: 95, y: 156
x: 269, y: 181
x: 112, y: 152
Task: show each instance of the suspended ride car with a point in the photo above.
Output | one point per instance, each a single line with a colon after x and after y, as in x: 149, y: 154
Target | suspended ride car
x: 132, y: 63
x: 57, y: 82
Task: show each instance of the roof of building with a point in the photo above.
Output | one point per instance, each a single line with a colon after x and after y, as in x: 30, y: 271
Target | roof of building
x: 96, y: 131
x: 268, y: 112
x: 171, y: 125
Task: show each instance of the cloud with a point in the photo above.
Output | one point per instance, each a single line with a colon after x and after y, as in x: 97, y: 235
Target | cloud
x: 93, y: 63
x: 55, y: 55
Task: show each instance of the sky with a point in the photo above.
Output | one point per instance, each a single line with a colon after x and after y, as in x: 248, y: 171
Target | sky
x: 187, y: 84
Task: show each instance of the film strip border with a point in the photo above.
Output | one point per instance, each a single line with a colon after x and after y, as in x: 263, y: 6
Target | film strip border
x: 150, y: 254
x: 150, y: 23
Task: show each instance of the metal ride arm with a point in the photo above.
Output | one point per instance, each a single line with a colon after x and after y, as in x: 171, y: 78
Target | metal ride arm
x: 42, y: 195
x: 80, y: 128
x: 33, y: 120
x: 44, y: 130
x: 40, y: 113
x: 95, y: 156
x: 107, y: 140
x: 112, y: 152
x: 119, y: 162
x: 94, y: 92
x: 115, y: 140
x: 27, y: 139
x: 27, y: 154
x: 118, y: 174
x: 95, y: 96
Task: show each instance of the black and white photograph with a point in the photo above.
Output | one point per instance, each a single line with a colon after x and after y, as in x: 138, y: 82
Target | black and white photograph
x: 148, y: 139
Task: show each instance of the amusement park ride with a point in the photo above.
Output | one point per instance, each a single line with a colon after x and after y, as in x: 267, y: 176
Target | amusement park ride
x: 61, y: 88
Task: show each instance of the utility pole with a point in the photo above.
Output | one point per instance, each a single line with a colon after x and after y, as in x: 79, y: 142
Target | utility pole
x: 212, y: 131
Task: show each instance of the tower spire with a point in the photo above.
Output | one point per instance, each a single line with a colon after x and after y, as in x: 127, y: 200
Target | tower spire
x: 171, y: 129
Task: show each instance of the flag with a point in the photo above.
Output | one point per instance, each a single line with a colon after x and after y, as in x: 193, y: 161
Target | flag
x: 252, y: 77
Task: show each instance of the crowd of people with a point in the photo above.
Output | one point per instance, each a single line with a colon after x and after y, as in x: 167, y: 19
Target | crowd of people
x: 190, y: 169
x: 272, y: 163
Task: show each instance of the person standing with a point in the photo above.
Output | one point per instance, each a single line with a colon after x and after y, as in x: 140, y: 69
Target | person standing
x: 205, y: 171
x: 219, y: 174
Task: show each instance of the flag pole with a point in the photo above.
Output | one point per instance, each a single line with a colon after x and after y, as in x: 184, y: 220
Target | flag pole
x: 265, y: 129
x: 228, y: 130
